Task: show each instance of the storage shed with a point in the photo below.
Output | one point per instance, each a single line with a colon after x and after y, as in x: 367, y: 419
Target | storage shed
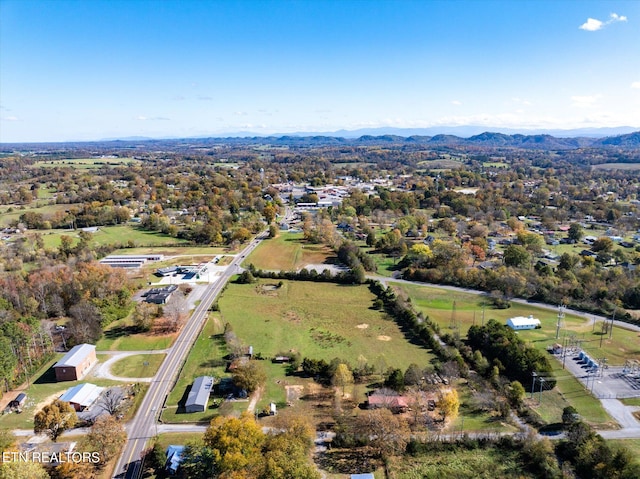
x: 82, y: 396
x: 199, y: 395
x: 520, y: 322
x: 76, y: 363
x: 19, y: 401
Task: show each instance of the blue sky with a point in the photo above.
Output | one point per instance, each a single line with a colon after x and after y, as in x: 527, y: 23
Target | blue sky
x: 82, y: 70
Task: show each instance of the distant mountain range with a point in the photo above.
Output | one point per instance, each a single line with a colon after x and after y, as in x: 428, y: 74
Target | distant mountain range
x: 461, y: 131
x: 595, y: 138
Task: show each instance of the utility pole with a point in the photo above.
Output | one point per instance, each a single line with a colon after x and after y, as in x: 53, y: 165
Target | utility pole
x: 533, y: 382
x: 612, y: 320
x: 560, y: 318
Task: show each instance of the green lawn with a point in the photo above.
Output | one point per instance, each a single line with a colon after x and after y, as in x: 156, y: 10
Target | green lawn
x: 138, y: 366
x: 630, y: 401
x: 121, y: 335
x: 318, y: 320
x: 287, y: 251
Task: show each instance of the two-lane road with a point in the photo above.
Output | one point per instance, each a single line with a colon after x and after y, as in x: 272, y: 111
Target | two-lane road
x: 144, y: 424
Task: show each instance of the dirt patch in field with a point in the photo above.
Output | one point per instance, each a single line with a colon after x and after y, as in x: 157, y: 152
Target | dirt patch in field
x: 382, y: 337
x: 362, y: 326
x: 267, y: 289
x: 294, y: 392
x: 292, y: 316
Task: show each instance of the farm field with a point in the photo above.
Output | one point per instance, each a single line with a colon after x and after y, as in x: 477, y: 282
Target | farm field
x: 116, y: 235
x: 318, y: 320
x: 138, y: 366
x: 287, y: 252
x: 437, y: 303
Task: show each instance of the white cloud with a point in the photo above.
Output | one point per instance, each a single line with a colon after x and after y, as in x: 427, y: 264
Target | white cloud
x: 456, y: 102
x: 593, y: 24
x: 11, y: 118
x: 155, y: 118
x: 585, y: 101
x: 635, y: 84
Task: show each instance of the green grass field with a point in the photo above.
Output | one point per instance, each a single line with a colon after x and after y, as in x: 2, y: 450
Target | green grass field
x: 7, y: 217
x: 122, y: 336
x: 487, y: 463
x: 287, y: 251
x: 86, y: 163
x: 138, y: 366
x: 437, y: 303
x: 319, y: 320
x: 115, y: 235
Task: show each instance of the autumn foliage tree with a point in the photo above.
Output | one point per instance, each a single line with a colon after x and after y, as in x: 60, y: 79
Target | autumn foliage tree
x: 106, y: 436
x: 54, y: 419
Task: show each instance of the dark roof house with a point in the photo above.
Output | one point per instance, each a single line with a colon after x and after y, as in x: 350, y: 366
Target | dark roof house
x: 76, y: 363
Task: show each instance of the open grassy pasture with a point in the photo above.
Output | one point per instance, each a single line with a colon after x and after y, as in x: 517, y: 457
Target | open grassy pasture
x: 86, y: 163
x: 121, y: 335
x: 115, y: 235
x: 138, y: 366
x: 43, y: 389
x: 289, y: 252
x: 319, y: 320
x: 173, y: 250
x: 437, y: 303
x: 7, y: 217
x: 460, y: 463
